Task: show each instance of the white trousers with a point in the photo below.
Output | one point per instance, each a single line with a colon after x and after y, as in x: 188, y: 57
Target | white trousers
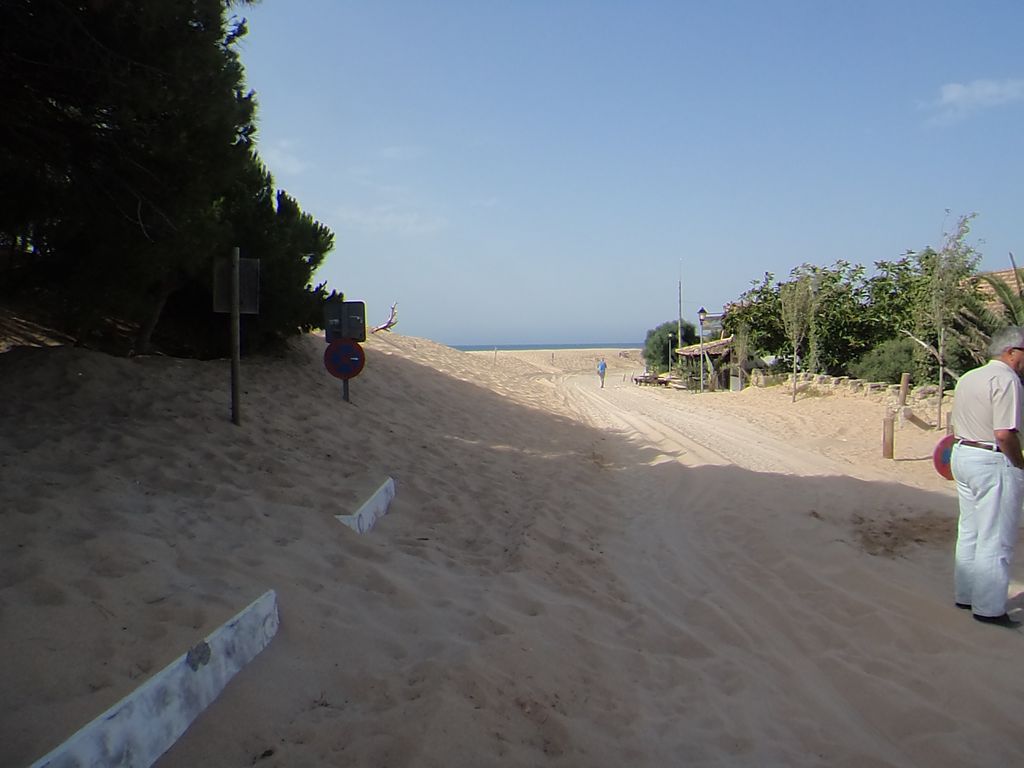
x: 991, y: 492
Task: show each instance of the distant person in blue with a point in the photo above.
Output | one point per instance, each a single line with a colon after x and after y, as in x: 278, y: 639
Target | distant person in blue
x: 602, y: 367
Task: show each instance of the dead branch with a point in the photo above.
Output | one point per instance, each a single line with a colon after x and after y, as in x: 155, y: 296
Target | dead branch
x: 934, y: 353
x: 392, y: 320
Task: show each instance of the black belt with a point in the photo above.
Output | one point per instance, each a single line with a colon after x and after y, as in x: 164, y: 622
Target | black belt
x: 976, y: 444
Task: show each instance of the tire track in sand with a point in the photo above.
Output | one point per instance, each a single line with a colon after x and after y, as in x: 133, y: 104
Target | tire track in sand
x: 677, y: 427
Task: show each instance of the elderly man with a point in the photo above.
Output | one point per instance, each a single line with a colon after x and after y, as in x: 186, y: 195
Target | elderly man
x: 989, y: 471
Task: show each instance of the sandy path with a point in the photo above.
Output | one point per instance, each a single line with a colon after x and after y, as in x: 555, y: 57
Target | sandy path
x: 767, y: 636
x: 689, y: 434
x: 567, y: 577
x: 787, y: 644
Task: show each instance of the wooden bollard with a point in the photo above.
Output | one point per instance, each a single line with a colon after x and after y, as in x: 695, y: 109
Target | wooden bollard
x: 904, y: 388
x: 888, y: 429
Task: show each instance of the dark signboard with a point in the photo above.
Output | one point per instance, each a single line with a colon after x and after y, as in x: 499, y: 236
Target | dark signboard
x: 345, y: 320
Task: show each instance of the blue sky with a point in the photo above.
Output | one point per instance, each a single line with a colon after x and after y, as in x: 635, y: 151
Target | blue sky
x: 528, y: 171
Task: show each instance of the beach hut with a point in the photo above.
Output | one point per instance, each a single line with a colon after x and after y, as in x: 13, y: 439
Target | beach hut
x: 717, y: 354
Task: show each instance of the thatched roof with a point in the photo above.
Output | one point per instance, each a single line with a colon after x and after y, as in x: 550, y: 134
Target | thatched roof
x: 716, y: 347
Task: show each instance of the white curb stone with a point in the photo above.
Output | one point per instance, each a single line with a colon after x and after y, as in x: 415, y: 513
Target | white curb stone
x: 137, y: 730
x: 374, y: 507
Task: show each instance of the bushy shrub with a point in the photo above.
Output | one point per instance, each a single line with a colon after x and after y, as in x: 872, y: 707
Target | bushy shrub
x: 662, y: 339
x: 887, y: 362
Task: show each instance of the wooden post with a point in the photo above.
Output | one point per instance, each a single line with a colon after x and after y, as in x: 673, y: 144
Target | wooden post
x: 236, y: 344
x: 904, y: 388
x: 942, y: 370
x: 888, y: 430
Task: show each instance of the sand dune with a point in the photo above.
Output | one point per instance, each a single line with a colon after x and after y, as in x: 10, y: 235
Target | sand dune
x: 568, y: 576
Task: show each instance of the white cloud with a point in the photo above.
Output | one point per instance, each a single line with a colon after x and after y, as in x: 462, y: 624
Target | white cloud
x: 960, y: 99
x: 389, y: 220
x: 281, y: 158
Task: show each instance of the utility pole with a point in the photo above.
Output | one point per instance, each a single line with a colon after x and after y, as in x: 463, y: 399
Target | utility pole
x: 679, y: 323
x: 701, y: 315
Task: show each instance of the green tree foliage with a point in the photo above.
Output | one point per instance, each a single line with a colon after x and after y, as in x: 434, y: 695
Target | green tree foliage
x: 741, y: 352
x: 902, y: 303
x: 892, y: 294
x: 948, y: 283
x: 797, y: 303
x: 661, y: 341
x: 127, y: 154
x: 887, y: 362
x: 947, y: 308
x: 853, y: 314
x: 840, y: 329
x: 759, y: 311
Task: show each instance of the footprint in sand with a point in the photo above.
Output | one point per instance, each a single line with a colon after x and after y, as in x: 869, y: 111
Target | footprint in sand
x: 90, y: 588
x: 525, y: 606
x: 43, y: 592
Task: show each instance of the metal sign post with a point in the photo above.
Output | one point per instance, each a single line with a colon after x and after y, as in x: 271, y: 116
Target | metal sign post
x: 236, y: 340
x: 236, y: 290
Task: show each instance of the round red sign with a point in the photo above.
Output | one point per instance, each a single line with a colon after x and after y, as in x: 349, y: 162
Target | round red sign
x: 941, y: 456
x: 344, y: 358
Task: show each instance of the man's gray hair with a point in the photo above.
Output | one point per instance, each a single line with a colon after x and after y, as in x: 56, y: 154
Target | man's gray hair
x: 1008, y: 338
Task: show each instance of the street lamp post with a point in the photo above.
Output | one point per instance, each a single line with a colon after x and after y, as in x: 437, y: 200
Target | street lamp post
x: 670, y: 337
x: 701, y: 314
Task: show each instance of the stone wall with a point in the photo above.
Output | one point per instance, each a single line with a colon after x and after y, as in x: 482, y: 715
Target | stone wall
x: 922, y: 396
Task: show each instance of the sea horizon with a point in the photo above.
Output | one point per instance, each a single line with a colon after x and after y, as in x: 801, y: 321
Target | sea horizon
x: 528, y: 347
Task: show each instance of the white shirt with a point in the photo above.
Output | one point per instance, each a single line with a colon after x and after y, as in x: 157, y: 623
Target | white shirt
x: 986, y: 399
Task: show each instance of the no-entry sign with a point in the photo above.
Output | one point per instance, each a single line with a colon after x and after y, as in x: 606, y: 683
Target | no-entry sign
x: 344, y: 359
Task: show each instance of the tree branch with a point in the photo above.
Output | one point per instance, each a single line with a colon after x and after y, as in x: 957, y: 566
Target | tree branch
x: 934, y: 353
x: 392, y: 321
